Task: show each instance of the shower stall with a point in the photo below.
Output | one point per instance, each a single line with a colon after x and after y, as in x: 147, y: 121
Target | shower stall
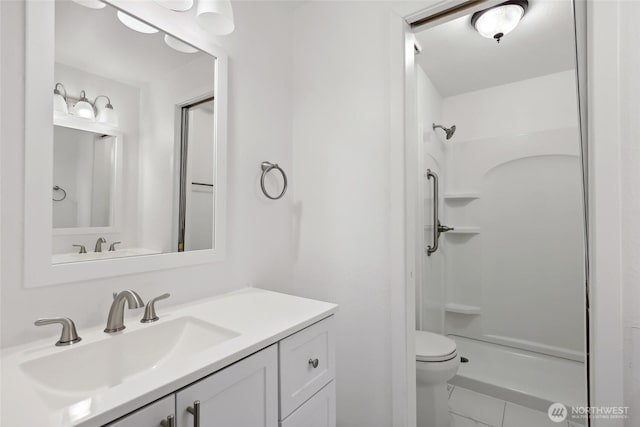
x: 505, y: 277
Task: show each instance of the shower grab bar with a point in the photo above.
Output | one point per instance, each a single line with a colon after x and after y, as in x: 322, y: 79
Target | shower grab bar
x: 437, y: 227
x: 436, y: 221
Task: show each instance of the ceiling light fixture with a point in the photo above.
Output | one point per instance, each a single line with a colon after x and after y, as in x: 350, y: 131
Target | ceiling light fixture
x: 136, y: 24
x: 91, y: 4
x: 216, y: 16
x: 498, y: 21
x: 177, y: 5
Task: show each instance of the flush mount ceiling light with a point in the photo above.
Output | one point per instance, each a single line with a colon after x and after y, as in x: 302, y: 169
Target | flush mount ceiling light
x: 177, y: 5
x: 91, y: 4
x: 498, y: 21
x: 216, y: 16
x: 178, y: 45
x: 136, y: 24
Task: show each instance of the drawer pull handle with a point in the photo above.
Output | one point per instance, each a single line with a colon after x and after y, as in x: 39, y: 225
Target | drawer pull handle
x: 195, y: 411
x: 169, y: 422
x: 314, y: 363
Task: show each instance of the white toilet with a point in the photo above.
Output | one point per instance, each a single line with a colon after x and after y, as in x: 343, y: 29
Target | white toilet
x: 437, y: 362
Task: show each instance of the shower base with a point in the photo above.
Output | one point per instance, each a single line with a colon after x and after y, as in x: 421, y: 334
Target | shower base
x: 523, y: 377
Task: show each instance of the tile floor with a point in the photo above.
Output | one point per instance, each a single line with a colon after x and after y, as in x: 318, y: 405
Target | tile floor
x: 471, y: 409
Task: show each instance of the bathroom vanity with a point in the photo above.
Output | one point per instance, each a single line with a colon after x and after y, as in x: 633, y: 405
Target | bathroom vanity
x: 248, y: 358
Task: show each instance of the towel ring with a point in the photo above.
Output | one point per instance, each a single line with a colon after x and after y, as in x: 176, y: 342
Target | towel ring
x: 64, y: 193
x: 266, y: 168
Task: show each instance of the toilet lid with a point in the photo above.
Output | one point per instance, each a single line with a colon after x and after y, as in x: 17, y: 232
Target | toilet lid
x: 432, y: 347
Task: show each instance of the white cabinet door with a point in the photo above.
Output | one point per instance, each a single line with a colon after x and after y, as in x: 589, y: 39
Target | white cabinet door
x: 244, y: 394
x: 319, y: 411
x: 150, y: 415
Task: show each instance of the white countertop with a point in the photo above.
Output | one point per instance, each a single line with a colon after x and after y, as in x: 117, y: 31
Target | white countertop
x: 260, y: 317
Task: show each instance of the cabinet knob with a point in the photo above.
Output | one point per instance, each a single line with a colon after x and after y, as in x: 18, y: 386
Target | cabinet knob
x: 314, y: 363
x: 195, y: 411
x: 169, y: 422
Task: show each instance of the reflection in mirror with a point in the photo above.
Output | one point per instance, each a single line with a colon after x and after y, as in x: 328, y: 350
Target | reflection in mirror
x: 84, y: 177
x: 134, y: 138
x: 196, y: 178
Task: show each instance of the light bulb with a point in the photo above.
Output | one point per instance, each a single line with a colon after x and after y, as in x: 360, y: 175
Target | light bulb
x: 83, y: 108
x: 59, y: 101
x: 107, y: 116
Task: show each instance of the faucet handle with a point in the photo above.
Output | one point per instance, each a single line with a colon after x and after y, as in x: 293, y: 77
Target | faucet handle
x: 150, y: 310
x: 69, y: 334
x: 83, y: 250
x: 112, y: 247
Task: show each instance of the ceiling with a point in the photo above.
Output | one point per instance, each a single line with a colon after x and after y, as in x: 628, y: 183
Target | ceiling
x: 94, y: 40
x: 458, y: 60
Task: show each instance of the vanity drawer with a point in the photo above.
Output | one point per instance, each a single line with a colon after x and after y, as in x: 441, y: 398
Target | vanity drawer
x: 307, y: 363
x: 319, y: 411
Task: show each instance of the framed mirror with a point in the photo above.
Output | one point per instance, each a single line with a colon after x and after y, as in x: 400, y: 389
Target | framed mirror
x: 125, y: 142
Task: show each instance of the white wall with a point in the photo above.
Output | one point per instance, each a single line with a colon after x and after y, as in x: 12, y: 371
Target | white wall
x: 259, y: 247
x: 431, y: 290
x: 630, y: 191
x: 158, y: 147
x: 342, y: 194
x: 518, y: 146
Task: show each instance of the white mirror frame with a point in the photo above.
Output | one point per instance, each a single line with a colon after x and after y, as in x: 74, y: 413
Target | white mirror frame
x: 116, y: 185
x: 38, y: 222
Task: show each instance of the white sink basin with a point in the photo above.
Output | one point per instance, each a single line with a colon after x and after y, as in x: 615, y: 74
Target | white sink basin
x: 87, y: 368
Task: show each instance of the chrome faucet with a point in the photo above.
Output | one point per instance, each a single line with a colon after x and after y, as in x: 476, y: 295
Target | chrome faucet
x: 99, y: 243
x: 115, y: 321
x: 69, y: 334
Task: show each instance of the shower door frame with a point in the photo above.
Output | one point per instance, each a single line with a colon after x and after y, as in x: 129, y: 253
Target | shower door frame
x: 601, y: 310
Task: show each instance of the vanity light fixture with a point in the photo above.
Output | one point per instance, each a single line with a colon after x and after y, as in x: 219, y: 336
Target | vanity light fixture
x: 83, y: 107
x: 215, y: 16
x: 178, y: 45
x: 136, y: 24
x: 106, y: 115
x: 498, y: 21
x: 177, y: 5
x: 59, y: 101
x: 91, y: 4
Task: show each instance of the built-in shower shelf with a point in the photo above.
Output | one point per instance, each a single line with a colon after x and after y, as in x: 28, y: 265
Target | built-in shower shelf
x: 464, y: 230
x: 462, y: 309
x: 461, y: 196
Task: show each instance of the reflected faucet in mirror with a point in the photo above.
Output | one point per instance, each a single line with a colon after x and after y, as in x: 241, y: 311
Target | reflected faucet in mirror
x: 99, y: 243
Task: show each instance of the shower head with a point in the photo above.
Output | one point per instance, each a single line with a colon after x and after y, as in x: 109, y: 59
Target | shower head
x: 449, y: 131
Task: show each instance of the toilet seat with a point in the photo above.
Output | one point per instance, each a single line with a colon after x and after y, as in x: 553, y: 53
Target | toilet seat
x: 432, y: 347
